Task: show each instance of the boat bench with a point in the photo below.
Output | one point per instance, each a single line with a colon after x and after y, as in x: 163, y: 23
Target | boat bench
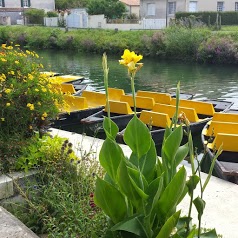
x: 163, y: 98
x: 203, y: 108
x: 65, y: 88
x: 190, y: 113
x: 74, y: 103
x: 66, y: 78
x: 94, y: 99
x: 155, y: 119
x: 141, y: 102
x: 229, y: 142
x: 215, y: 127
x: 225, y: 117
x: 115, y: 94
x: 119, y: 107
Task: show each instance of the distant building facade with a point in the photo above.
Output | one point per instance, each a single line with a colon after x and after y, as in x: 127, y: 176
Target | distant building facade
x: 166, y: 9
x: 11, y: 11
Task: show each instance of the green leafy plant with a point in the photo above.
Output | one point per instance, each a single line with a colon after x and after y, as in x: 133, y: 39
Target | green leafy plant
x: 140, y: 194
x: 59, y: 202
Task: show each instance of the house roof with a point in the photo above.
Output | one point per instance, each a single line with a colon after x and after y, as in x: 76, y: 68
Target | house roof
x: 131, y: 2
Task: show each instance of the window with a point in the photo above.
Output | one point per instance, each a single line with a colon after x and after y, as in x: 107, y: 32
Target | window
x: 25, y: 3
x: 172, y: 7
x: 220, y: 6
x: 2, y: 3
x: 236, y: 6
x: 150, y: 9
x: 192, y: 6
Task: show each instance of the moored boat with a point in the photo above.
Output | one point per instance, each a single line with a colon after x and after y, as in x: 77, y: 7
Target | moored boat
x: 222, y: 130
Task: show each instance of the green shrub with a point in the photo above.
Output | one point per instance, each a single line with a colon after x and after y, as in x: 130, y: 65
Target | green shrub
x: 218, y: 51
x: 52, y: 14
x: 35, y: 16
x: 182, y: 43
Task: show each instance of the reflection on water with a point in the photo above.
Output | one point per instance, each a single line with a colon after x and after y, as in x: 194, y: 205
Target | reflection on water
x: 205, y: 81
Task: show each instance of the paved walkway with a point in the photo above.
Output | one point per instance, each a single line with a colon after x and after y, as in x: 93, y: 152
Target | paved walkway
x: 221, y: 197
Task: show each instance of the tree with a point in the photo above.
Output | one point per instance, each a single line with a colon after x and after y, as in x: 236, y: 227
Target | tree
x: 110, y: 8
x: 67, y: 4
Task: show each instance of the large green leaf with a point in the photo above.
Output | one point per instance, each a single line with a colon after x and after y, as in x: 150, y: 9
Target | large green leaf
x: 110, y: 200
x: 182, y: 152
x: 169, y: 225
x: 200, y: 206
x: 172, y: 143
x: 110, y: 128
x: 172, y: 193
x: 154, y: 190
x: 126, y: 186
x: 148, y: 161
x: 133, y: 225
x: 138, y: 182
x: 110, y: 157
x: 209, y: 234
x: 137, y: 137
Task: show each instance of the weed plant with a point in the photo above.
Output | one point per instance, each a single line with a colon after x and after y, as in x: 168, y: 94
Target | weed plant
x: 60, y: 201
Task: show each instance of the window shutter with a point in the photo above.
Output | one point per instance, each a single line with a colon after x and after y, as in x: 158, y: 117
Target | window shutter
x: 21, y: 3
x: 29, y: 3
x: 3, y: 3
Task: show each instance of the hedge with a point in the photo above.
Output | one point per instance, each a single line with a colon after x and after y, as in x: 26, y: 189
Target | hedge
x: 227, y: 18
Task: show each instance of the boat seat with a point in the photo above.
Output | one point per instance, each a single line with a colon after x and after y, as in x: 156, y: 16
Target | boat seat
x: 94, y: 99
x: 65, y: 88
x: 155, y: 119
x: 215, y: 127
x: 203, y: 108
x: 170, y: 110
x: 119, y: 107
x: 115, y: 94
x: 229, y: 142
x: 74, y: 103
x: 163, y: 98
x: 141, y: 102
x: 225, y: 117
x: 66, y: 78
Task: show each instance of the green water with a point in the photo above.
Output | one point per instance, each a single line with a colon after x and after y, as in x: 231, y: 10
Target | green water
x: 204, y: 81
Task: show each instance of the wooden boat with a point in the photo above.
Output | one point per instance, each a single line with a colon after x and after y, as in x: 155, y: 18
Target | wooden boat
x: 80, y: 107
x: 68, y: 88
x: 198, y: 114
x: 144, y: 101
x: 222, y: 130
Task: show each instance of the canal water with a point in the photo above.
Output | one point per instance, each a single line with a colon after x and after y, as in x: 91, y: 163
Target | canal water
x: 204, y: 81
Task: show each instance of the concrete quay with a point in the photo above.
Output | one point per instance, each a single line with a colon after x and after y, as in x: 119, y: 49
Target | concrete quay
x: 221, y: 211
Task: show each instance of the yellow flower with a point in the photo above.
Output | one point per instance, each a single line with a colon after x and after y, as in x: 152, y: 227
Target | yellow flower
x: 42, y: 118
x: 30, y: 127
x: 44, y: 114
x: 31, y: 106
x: 39, y: 103
x: 30, y: 76
x: 8, y: 90
x: 130, y: 59
x: 2, y: 119
x: 8, y: 104
x: 4, y: 45
x: 16, y: 62
x: 17, y: 45
x: 36, y: 89
x: 3, y: 60
x: 43, y: 89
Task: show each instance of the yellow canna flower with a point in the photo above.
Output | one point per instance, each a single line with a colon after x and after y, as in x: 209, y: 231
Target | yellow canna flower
x: 130, y: 59
x: 8, y: 104
x: 8, y: 90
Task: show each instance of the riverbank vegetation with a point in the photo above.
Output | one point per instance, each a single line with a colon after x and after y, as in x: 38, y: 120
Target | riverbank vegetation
x: 177, y: 42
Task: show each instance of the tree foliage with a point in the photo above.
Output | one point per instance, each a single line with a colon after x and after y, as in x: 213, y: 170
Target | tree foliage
x: 110, y: 8
x: 67, y: 4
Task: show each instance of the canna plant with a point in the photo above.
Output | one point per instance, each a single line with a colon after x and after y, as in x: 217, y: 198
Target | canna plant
x: 140, y: 194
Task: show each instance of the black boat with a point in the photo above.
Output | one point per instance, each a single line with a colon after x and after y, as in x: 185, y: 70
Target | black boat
x: 222, y: 130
